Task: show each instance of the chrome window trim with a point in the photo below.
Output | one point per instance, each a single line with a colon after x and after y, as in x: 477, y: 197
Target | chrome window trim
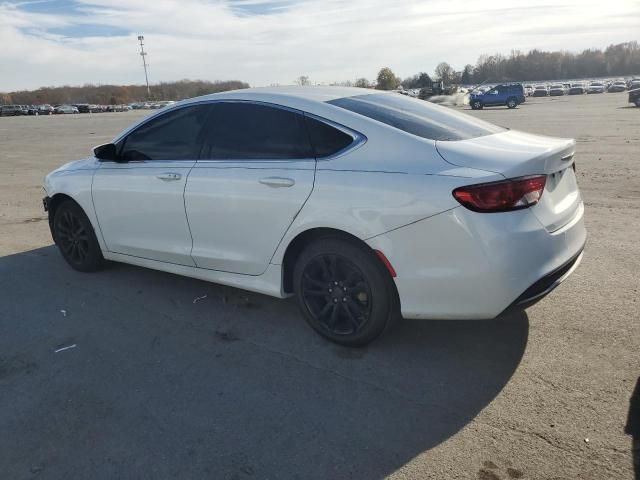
x: 358, y: 138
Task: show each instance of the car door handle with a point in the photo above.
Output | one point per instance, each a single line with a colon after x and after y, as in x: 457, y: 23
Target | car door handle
x: 277, y: 182
x: 169, y: 176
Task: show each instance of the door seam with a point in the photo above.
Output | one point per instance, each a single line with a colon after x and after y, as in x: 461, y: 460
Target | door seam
x: 186, y: 214
x: 313, y: 186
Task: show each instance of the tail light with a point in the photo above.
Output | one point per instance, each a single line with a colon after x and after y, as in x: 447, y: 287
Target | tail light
x: 502, y: 196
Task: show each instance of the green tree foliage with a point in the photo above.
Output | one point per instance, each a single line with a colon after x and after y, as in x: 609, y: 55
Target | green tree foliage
x: 362, y: 83
x: 119, y: 94
x: 467, y: 75
x: 419, y: 80
x: 387, y: 80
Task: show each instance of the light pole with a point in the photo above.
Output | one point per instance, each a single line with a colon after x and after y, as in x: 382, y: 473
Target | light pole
x: 143, y: 54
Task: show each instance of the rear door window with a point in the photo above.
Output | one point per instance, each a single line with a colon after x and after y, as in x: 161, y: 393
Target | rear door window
x: 417, y: 117
x: 252, y: 131
x: 174, y: 135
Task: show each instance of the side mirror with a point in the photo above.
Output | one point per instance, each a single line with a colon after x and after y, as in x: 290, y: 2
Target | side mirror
x: 106, y: 152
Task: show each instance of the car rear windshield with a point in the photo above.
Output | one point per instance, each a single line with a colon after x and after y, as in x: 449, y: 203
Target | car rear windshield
x: 417, y: 117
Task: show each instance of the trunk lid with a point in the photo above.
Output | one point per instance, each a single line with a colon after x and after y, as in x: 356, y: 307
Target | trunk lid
x: 517, y: 154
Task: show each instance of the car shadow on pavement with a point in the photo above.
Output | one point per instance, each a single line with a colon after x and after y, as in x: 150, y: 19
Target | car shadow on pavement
x: 133, y: 373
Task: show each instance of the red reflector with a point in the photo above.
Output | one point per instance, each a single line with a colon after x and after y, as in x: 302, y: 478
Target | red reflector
x: 386, y: 263
x: 502, y: 196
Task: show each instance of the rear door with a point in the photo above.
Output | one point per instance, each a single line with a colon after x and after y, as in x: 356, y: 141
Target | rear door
x: 139, y: 201
x: 256, y: 171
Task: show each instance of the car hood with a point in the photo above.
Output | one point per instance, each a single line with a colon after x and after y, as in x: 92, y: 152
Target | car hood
x: 84, y: 164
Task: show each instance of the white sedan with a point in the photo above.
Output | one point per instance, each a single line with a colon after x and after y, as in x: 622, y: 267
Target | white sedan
x: 361, y: 204
x: 66, y: 109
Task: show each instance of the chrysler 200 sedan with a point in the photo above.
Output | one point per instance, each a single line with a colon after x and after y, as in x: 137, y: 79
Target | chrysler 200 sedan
x: 363, y: 205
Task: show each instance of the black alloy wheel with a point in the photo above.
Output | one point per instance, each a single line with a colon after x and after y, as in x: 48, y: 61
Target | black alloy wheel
x: 76, y: 239
x: 344, y: 290
x: 336, y: 294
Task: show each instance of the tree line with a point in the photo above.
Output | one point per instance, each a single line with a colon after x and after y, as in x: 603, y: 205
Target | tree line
x: 616, y: 60
x: 119, y: 94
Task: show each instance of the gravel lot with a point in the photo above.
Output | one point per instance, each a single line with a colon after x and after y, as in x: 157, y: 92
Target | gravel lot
x: 236, y: 386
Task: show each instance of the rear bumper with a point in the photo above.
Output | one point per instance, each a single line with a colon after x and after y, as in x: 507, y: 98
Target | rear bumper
x: 466, y: 265
x: 545, y: 285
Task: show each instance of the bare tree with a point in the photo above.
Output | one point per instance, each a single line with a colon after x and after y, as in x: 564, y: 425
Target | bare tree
x: 303, y: 81
x: 444, y: 72
x: 362, y: 83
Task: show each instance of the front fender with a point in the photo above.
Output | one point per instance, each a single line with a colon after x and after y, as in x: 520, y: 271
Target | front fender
x: 75, y: 183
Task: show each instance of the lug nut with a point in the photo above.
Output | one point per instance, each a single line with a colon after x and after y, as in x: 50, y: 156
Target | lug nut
x: 331, y: 290
x: 344, y: 299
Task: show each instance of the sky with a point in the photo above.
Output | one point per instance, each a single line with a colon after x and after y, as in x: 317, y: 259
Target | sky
x: 265, y: 42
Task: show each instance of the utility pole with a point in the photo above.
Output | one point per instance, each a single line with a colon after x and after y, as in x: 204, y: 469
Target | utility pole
x: 143, y: 54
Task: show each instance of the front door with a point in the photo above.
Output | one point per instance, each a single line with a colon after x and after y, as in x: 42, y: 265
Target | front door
x: 139, y: 200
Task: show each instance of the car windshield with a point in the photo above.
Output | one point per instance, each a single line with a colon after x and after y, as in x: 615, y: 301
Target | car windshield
x: 417, y: 117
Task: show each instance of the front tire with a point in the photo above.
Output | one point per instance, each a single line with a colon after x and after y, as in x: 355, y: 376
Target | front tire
x: 476, y: 105
x: 344, y: 291
x: 74, y: 236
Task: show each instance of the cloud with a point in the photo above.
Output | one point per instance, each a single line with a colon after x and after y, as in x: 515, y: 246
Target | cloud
x: 264, y: 42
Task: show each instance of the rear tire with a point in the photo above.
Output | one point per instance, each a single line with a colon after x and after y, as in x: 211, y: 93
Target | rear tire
x: 76, y: 239
x: 344, y: 291
x: 512, y: 103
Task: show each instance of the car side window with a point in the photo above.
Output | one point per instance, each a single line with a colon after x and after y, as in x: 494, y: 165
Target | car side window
x: 174, y: 135
x: 325, y: 139
x: 251, y: 131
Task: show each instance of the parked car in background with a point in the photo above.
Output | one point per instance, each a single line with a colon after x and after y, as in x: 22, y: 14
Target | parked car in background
x: 634, y: 96
x: 83, y: 107
x: 509, y: 95
x: 32, y: 110
x: 12, y: 111
x: 577, y: 89
x: 617, y: 86
x: 633, y: 83
x: 63, y: 109
x: 557, y: 90
x: 540, y: 91
x: 596, y: 87
x: 493, y: 213
x: 528, y: 90
x: 45, y: 109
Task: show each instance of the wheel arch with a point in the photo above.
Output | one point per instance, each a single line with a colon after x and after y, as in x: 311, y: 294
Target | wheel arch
x: 302, y: 239
x: 54, y: 202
